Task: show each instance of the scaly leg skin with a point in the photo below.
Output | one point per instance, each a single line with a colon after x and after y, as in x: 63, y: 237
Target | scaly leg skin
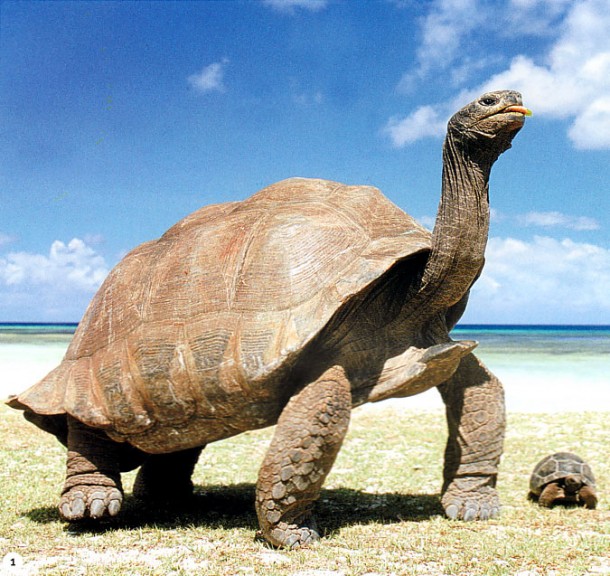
x: 167, y: 477
x: 474, y: 401
x: 307, y: 439
x: 550, y: 493
x: 93, y: 479
x: 587, y: 496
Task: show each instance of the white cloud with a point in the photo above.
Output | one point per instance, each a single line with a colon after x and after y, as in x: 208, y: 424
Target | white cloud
x: 57, y: 285
x: 73, y: 265
x: 290, y: 6
x: 425, y: 121
x: 571, y: 81
x: 211, y: 78
x: 534, y: 17
x: 574, y: 79
x: 557, y: 219
x: 451, y: 24
x: 443, y: 30
x: 542, y: 280
x: 591, y: 129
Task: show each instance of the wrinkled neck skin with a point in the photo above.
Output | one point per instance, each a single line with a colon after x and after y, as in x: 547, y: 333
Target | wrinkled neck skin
x: 462, y: 225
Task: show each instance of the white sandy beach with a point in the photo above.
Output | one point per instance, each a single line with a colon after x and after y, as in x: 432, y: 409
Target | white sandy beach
x: 528, y: 388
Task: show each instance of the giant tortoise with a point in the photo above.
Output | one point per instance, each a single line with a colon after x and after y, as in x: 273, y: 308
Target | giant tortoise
x: 291, y: 307
x: 563, y: 478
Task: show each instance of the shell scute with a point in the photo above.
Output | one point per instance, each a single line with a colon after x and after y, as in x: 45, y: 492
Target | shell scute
x: 116, y: 309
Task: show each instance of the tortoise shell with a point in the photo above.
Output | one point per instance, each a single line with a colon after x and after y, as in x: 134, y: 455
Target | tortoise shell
x: 558, y: 466
x: 199, y: 325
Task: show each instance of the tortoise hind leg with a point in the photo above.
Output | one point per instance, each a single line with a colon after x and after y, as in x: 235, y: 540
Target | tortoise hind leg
x: 307, y: 439
x: 167, y: 477
x: 93, y: 479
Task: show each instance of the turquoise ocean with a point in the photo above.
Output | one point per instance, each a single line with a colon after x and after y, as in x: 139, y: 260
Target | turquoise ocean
x: 543, y: 368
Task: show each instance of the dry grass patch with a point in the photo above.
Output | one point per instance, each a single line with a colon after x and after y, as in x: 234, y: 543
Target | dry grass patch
x: 379, y: 510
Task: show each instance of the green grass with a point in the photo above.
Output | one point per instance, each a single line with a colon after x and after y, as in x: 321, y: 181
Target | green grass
x: 379, y: 510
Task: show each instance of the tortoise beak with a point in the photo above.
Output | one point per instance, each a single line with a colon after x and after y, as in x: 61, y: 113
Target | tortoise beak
x: 517, y: 114
x: 517, y: 109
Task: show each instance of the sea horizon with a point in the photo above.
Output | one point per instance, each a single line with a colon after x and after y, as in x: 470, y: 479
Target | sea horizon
x: 544, y: 367
x: 460, y: 325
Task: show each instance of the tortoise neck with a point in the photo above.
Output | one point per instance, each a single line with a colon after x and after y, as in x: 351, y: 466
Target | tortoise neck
x: 462, y: 225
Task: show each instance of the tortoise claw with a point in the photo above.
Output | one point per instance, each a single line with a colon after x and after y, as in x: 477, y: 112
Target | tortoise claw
x: 95, y: 502
x: 293, y: 536
x: 72, y: 506
x: 482, y: 504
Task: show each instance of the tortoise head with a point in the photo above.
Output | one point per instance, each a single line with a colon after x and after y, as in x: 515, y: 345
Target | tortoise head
x: 489, y: 123
x: 572, y: 483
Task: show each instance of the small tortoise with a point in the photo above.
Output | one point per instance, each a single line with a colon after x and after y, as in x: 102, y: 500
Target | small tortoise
x: 563, y: 478
x: 291, y: 307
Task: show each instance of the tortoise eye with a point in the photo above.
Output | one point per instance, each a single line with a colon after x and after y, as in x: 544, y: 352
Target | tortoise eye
x: 488, y: 101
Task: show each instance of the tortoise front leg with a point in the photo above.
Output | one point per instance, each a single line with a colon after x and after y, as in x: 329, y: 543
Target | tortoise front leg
x: 474, y: 401
x: 588, y: 496
x: 550, y: 494
x: 307, y: 439
x: 93, y: 480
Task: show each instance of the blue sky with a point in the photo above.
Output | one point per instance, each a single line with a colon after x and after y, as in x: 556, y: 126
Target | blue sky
x: 119, y: 118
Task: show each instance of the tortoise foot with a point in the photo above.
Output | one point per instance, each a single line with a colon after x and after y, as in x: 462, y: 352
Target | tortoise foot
x: 84, y: 501
x: 93, y: 479
x: 292, y: 536
x: 463, y: 501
